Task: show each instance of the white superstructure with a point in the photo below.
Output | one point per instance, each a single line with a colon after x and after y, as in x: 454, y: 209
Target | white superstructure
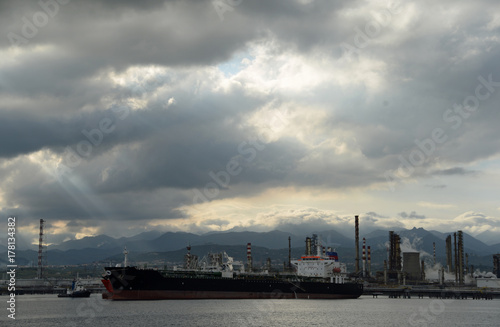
x: 325, y: 264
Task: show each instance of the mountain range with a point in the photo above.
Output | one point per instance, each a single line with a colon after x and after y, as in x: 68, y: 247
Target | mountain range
x: 172, y: 246
x: 105, y: 248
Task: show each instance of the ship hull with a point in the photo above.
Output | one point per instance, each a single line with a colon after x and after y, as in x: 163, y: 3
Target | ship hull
x: 136, y: 284
x: 203, y: 295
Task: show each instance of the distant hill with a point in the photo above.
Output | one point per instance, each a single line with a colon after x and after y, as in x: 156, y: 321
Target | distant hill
x: 99, y: 241
x: 332, y: 238
x: 178, y: 240
x: 489, y: 237
x: 495, y: 248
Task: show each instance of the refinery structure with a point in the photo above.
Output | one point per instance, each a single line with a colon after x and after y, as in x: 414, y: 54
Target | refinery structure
x: 408, y: 268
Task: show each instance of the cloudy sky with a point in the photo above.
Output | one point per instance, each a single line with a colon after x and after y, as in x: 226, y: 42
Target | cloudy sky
x: 119, y: 117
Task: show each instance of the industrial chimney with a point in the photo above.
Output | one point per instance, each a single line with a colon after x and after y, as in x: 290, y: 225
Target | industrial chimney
x: 39, y: 273
x: 460, y: 257
x: 449, y: 261
x: 364, y: 257
x: 308, y: 246
x: 434, y: 249
x: 369, y: 269
x: 249, y: 257
x: 289, y: 254
x: 356, y: 236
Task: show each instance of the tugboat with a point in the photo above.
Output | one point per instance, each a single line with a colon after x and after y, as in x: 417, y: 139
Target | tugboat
x: 318, y: 275
x: 76, y: 290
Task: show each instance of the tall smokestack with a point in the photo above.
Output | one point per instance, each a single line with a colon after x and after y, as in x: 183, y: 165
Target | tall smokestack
x: 356, y: 242
x: 397, y: 241
x: 456, y: 257
x: 315, y: 250
x: 460, y: 257
x: 467, y: 263
x: 496, y: 265
x: 369, y: 261
x: 289, y: 253
x: 385, y: 272
x: 364, y: 257
x: 188, y: 257
x: 39, y: 273
x: 395, y: 254
x: 423, y: 270
x: 449, y: 261
x: 249, y: 257
x: 434, y: 248
x: 392, y: 252
x: 308, y: 246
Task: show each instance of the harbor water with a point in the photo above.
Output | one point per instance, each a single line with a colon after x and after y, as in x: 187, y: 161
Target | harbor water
x: 49, y: 310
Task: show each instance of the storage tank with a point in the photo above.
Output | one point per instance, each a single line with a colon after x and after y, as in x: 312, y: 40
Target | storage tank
x: 411, y: 265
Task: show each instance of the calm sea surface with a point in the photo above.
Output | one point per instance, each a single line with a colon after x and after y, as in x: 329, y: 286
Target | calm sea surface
x: 48, y: 310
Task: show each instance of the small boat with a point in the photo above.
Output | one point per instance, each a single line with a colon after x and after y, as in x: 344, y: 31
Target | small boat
x: 76, y: 290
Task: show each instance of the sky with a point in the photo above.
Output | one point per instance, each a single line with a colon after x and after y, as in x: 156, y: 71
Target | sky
x: 119, y: 117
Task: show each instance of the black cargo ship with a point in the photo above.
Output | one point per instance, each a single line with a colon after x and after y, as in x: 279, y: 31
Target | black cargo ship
x: 313, y: 276
x: 131, y: 283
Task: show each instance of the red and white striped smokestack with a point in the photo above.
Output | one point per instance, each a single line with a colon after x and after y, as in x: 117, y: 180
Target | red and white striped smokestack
x: 249, y: 256
x: 188, y: 257
x: 364, y: 257
x: 434, y: 248
x: 369, y: 261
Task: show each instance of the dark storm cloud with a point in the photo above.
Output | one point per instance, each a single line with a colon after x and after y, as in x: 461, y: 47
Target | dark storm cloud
x: 21, y: 133
x: 59, y: 83
x: 39, y: 195
x: 51, y: 74
x: 176, y: 33
x: 163, y: 162
x: 178, y: 148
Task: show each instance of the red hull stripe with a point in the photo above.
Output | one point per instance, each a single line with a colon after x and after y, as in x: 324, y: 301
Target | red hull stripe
x: 108, y: 285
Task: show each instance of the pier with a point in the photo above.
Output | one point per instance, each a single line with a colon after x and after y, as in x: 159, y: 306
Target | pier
x: 458, y: 294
